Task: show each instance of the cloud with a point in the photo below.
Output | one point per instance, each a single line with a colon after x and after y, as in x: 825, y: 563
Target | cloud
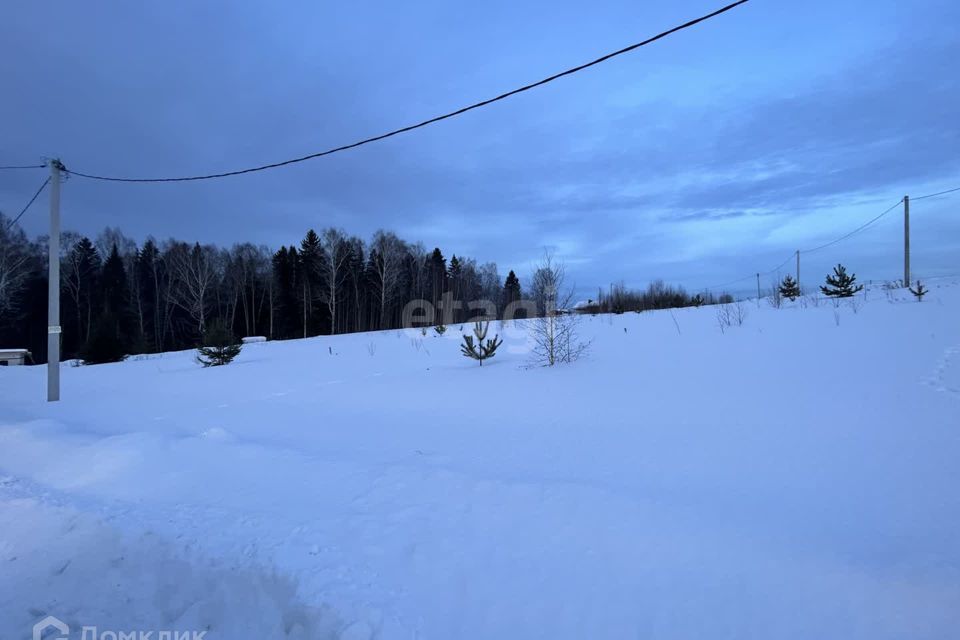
x: 698, y: 155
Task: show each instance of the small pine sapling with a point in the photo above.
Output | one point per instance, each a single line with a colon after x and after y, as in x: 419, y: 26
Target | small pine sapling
x: 440, y: 329
x: 789, y: 288
x: 482, y: 349
x: 697, y: 300
x: 841, y: 284
x: 919, y: 292
x: 220, y: 346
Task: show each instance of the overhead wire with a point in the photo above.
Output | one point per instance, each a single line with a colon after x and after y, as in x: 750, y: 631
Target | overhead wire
x: 429, y: 121
x: 934, y: 195
x: 855, y: 231
x: 24, y: 210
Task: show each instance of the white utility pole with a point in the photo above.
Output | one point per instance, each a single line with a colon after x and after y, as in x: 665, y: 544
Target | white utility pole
x: 906, y: 241
x: 798, y: 272
x: 53, y: 287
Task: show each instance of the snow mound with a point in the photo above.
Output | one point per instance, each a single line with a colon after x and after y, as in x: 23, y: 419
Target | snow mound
x: 52, y: 556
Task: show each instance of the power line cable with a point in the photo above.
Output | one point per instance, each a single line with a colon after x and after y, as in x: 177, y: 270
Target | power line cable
x: 35, y: 196
x: 934, y: 195
x: 823, y: 246
x: 779, y: 266
x: 430, y: 121
x: 24, y: 166
x: 727, y: 284
x: 855, y: 231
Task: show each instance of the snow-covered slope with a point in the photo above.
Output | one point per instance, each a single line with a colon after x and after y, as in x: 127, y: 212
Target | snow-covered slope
x: 793, y: 477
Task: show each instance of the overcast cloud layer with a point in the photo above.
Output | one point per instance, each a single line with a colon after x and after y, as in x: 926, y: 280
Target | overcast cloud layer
x: 702, y: 158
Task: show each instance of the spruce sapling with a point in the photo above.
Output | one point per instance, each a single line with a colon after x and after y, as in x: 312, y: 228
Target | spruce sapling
x: 220, y: 346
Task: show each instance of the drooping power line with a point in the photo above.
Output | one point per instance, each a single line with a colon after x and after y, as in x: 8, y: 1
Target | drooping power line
x: 855, y: 231
x: 934, y: 195
x: 430, y: 121
x: 822, y: 246
x: 23, y: 166
x: 779, y: 266
x: 35, y: 196
x: 727, y: 284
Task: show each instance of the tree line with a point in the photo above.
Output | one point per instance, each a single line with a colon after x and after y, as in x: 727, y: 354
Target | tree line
x: 162, y: 296
x: 658, y: 295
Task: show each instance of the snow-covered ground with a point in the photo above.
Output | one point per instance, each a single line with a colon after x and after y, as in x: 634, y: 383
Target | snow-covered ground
x: 794, y: 477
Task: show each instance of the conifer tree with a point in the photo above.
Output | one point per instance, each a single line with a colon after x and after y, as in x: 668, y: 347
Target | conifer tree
x: 105, y: 343
x: 308, y: 267
x: 840, y: 284
x: 697, y: 300
x: 919, y: 292
x: 789, y: 288
x: 480, y: 350
x: 455, y: 286
x: 80, y: 279
x: 114, y: 285
x: 219, y: 346
x: 511, y: 290
x: 454, y: 270
x: 147, y: 276
x: 437, y: 279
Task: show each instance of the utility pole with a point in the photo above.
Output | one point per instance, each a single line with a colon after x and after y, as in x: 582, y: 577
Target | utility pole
x: 798, y: 271
x: 906, y: 241
x: 758, y: 290
x: 53, y: 286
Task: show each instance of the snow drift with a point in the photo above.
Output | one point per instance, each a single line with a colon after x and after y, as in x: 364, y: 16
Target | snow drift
x: 793, y: 477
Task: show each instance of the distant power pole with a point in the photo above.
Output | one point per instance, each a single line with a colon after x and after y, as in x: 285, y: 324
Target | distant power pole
x: 758, y: 289
x: 906, y: 241
x: 798, y: 271
x: 53, y: 287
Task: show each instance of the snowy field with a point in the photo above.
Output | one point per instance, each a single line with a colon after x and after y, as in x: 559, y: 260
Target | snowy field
x: 794, y: 477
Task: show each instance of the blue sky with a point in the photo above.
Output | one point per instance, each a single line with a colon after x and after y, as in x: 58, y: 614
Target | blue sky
x: 705, y: 157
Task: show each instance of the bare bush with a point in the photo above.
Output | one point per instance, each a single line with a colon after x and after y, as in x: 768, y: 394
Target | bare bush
x: 776, y: 296
x: 731, y: 314
x: 739, y: 313
x: 418, y: 346
x: 723, y: 317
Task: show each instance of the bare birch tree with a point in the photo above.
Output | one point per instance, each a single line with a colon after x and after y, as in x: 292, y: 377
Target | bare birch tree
x: 387, y: 263
x: 554, y: 330
x: 333, y: 269
x: 14, y: 264
x: 194, y: 272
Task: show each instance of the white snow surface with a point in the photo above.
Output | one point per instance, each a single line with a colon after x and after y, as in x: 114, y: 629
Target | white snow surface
x: 794, y: 477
